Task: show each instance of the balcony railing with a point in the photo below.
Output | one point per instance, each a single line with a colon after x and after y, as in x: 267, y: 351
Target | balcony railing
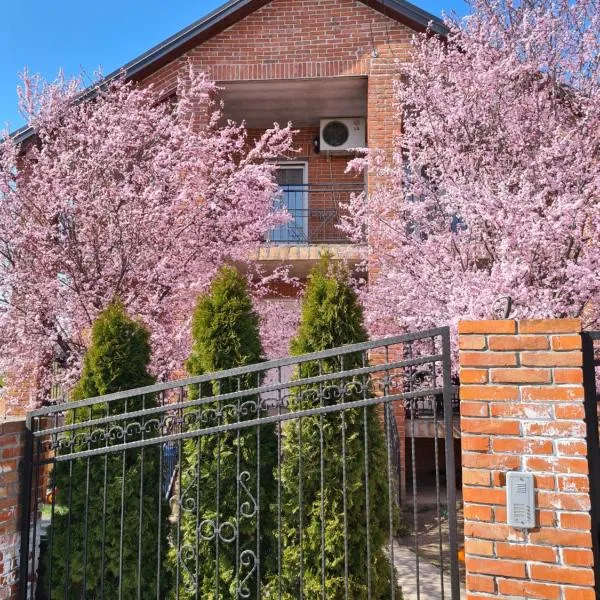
x: 316, y: 213
x: 423, y: 408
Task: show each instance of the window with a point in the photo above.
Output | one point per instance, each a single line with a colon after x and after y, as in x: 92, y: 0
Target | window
x: 292, y: 179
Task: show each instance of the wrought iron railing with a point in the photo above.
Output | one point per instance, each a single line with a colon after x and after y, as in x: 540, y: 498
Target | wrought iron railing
x: 281, y: 480
x: 425, y: 408
x: 316, y: 211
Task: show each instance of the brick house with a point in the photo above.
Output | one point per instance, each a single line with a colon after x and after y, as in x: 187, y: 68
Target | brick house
x: 316, y: 63
x: 304, y: 61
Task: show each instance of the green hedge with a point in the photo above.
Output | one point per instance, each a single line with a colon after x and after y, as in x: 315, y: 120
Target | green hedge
x: 331, y: 317
x: 225, y: 335
x: 87, y: 529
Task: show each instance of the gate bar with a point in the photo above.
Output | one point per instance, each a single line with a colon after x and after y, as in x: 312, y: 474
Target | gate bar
x: 593, y: 442
x: 262, y: 366
x: 450, y: 474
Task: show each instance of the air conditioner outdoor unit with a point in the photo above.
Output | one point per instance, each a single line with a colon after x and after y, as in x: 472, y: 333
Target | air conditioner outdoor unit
x: 340, y: 135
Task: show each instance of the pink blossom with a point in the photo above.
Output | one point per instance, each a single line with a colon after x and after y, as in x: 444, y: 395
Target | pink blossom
x: 122, y: 196
x: 279, y: 312
x: 492, y: 192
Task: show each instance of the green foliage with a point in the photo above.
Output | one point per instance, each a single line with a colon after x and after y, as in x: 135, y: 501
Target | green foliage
x: 331, y: 314
x: 331, y: 317
x: 225, y: 335
x: 86, y: 531
x: 118, y: 356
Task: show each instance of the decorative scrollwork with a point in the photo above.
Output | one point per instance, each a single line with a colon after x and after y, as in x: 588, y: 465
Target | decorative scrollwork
x: 187, y: 553
x: 211, y: 413
x: 248, y: 508
x: 418, y: 379
x: 188, y: 502
x: 247, y: 560
x: 249, y: 407
x: 208, y: 530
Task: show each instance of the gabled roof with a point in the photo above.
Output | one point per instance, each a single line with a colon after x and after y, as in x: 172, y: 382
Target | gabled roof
x: 226, y: 15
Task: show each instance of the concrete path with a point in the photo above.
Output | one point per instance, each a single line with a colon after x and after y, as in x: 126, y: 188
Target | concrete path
x: 430, y: 585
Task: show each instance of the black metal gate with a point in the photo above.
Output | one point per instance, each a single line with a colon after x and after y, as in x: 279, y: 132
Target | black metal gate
x: 591, y: 369
x: 277, y: 480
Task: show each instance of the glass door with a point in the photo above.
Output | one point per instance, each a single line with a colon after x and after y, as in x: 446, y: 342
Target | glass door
x: 292, y: 179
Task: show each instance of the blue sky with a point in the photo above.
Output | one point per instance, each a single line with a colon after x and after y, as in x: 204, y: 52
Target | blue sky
x: 82, y: 35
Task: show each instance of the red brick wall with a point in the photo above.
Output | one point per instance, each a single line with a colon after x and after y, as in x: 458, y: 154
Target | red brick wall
x: 12, y: 457
x: 298, y: 39
x: 12, y: 440
x: 522, y: 410
x: 322, y: 168
x: 289, y: 39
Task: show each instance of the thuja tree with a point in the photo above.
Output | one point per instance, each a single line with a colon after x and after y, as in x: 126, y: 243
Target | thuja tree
x: 121, y: 195
x: 94, y: 551
x: 331, y: 316
x: 491, y: 198
x: 227, y: 489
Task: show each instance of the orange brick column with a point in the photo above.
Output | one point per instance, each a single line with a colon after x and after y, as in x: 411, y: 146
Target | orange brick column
x: 12, y: 447
x: 522, y: 410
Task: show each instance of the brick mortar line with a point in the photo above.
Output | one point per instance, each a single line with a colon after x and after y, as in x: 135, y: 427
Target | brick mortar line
x: 528, y: 562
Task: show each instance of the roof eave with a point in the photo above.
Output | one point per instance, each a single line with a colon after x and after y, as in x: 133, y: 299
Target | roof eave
x: 410, y: 15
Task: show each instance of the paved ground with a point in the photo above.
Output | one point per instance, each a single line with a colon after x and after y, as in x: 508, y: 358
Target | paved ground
x: 430, y: 525
x: 430, y: 584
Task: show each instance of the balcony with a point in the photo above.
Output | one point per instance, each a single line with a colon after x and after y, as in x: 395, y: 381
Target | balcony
x: 424, y: 417
x: 316, y: 213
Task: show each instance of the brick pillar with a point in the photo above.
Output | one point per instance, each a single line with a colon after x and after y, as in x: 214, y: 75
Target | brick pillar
x: 12, y: 446
x: 522, y: 410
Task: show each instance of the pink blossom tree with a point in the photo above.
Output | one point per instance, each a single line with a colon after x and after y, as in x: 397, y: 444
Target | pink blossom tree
x: 491, y: 199
x: 122, y: 195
